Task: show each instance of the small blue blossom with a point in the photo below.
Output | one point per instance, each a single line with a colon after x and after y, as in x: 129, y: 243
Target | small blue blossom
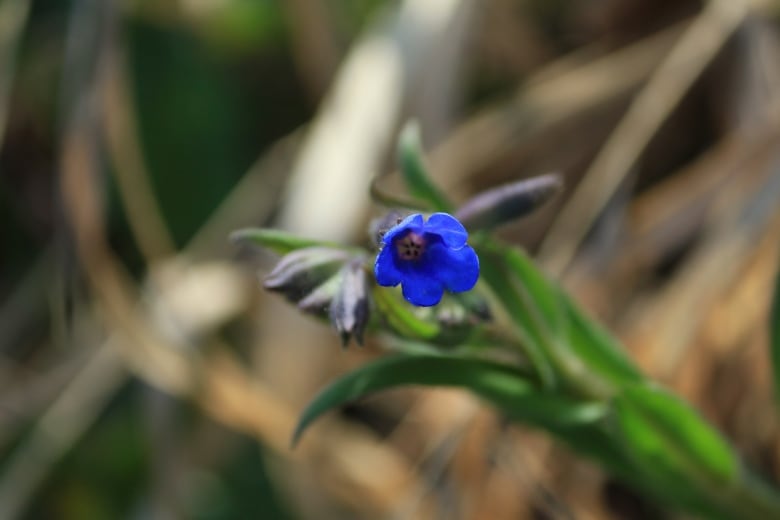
x: 426, y: 258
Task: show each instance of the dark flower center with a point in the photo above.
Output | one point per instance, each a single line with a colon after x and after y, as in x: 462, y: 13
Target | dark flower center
x: 410, y: 247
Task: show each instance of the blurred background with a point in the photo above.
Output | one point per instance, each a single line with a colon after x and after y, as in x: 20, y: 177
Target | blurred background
x: 143, y: 374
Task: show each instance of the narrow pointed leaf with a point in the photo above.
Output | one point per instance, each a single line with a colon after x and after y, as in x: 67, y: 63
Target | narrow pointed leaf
x: 504, y: 387
x: 415, y: 174
x: 497, y: 276
x: 678, y: 455
x: 659, y: 468
x: 546, y: 295
x: 579, y: 339
x: 277, y: 241
x: 683, y: 435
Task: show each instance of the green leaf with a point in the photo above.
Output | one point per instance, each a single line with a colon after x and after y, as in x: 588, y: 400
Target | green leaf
x: 658, y: 469
x: 597, y: 347
x: 198, y: 122
x: 774, y: 334
x: 494, y: 272
x: 506, y: 388
x: 415, y: 174
x: 277, y: 241
x: 580, y: 346
x: 678, y: 456
x: 585, y: 337
x: 683, y: 430
x: 546, y: 295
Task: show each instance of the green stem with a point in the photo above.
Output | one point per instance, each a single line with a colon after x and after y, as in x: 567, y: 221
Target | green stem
x: 575, y: 373
x: 521, y: 325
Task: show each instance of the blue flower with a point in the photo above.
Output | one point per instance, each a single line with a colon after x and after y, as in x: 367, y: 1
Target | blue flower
x: 426, y: 258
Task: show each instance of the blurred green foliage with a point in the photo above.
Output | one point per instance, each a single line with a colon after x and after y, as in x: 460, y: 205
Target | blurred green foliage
x: 204, y: 115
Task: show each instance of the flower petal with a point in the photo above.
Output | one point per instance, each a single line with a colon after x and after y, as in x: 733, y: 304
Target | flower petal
x: 385, y: 271
x: 411, y: 223
x: 456, y: 269
x: 451, y: 231
x: 422, y: 290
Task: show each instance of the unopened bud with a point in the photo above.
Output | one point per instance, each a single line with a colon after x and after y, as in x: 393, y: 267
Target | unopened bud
x: 464, y: 309
x: 299, y: 272
x: 350, y: 307
x: 505, y: 203
x: 318, y: 301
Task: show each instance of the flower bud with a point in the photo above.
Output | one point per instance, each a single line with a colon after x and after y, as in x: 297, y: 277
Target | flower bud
x: 299, y: 272
x: 458, y: 316
x: 502, y: 204
x: 464, y: 309
x: 318, y: 301
x: 349, y: 309
x: 476, y: 306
